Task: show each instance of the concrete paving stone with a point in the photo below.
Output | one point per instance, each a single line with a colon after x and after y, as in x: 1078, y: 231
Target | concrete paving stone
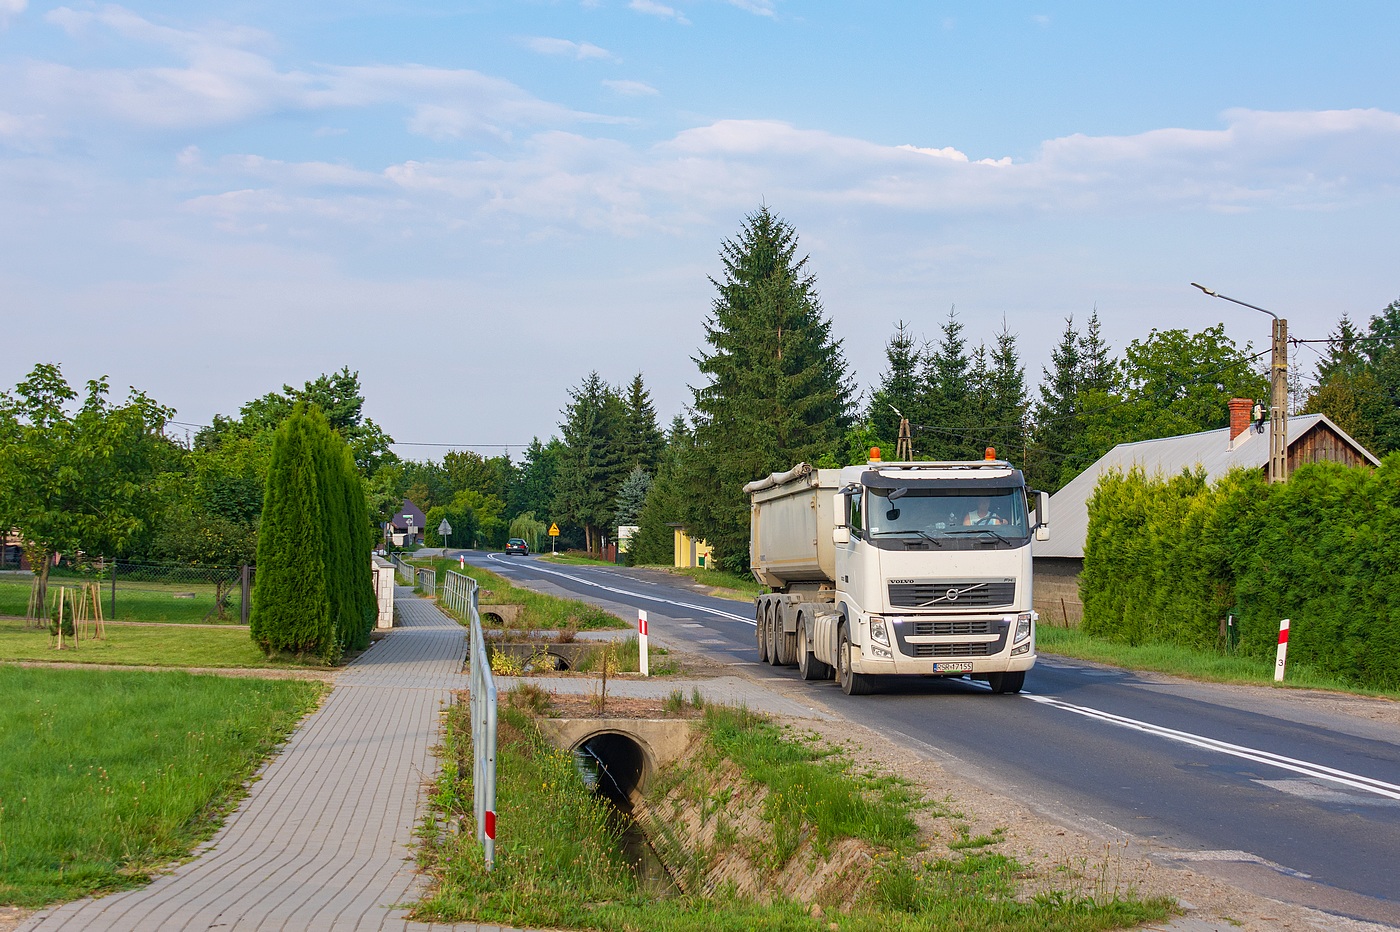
x: 324, y: 838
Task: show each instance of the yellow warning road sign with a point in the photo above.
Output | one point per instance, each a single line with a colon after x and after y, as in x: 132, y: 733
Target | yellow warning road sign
x: 554, y: 530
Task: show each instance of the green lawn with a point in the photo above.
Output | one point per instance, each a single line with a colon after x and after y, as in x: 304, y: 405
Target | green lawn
x: 106, y: 775
x: 136, y: 600
x: 135, y: 645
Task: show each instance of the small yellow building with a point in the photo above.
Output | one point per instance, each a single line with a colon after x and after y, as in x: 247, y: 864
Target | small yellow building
x: 689, y: 551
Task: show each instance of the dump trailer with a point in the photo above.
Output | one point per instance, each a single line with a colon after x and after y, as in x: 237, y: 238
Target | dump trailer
x: 897, y: 569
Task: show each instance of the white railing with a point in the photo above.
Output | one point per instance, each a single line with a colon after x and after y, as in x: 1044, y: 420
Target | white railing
x: 405, y: 571
x: 459, y: 592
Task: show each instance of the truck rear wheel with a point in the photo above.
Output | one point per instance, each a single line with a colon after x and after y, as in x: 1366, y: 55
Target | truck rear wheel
x: 852, y: 684
x: 774, y: 633
x: 1010, y: 682
x: 761, y: 613
x: 808, y: 666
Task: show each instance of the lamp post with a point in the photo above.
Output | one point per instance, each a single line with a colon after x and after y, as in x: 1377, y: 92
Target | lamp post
x: 1278, y: 383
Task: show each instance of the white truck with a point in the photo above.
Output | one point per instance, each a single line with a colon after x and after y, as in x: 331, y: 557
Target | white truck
x: 919, y: 569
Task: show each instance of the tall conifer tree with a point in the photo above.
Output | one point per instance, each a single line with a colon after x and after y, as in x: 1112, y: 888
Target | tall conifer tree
x: 899, y: 385
x: 947, y: 415
x: 777, y: 393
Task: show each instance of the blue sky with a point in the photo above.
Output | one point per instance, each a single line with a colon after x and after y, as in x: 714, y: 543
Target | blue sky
x: 474, y: 204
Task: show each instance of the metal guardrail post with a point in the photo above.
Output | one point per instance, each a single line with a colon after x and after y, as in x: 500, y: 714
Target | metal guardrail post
x: 460, y: 594
x: 427, y: 581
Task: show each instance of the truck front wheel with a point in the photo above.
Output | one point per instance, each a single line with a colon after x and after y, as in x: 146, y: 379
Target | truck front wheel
x: 808, y: 666
x: 1007, y: 682
x: 852, y: 684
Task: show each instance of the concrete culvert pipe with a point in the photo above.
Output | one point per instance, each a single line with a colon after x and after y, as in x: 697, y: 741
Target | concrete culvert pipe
x: 620, y: 765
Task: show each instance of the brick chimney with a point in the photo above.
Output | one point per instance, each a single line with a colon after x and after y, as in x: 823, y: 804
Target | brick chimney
x: 1240, y: 409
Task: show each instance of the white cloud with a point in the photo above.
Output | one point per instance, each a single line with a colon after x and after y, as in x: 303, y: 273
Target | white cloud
x: 223, y: 82
x: 757, y: 7
x: 567, y: 48
x: 631, y: 88
x: 9, y: 8
x: 1041, y: 20
x: 652, y: 8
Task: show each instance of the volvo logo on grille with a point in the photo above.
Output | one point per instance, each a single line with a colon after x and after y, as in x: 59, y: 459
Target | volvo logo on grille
x: 951, y: 595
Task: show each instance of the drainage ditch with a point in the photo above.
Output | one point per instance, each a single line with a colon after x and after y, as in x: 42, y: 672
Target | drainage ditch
x: 613, y: 766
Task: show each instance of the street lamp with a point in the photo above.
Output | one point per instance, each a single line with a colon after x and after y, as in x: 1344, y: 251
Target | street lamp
x: 1278, y: 383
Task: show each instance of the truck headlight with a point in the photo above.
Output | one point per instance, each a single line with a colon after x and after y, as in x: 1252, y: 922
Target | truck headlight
x: 878, y: 632
x: 1023, y: 625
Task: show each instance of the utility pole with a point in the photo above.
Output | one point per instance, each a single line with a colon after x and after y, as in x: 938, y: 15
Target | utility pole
x: 1278, y: 385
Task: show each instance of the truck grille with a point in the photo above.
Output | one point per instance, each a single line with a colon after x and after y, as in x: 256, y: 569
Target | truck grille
x: 953, y: 593
x: 923, y: 629
x: 976, y: 649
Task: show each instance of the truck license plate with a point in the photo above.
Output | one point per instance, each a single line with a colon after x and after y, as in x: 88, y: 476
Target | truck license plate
x: 956, y: 666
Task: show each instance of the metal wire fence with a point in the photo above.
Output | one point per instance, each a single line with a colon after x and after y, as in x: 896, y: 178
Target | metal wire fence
x: 160, y: 592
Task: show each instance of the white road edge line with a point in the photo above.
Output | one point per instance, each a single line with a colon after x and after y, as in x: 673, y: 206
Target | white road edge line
x: 1307, y: 768
x: 534, y: 565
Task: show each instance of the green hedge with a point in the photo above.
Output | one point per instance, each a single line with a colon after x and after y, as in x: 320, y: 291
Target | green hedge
x: 1166, y: 558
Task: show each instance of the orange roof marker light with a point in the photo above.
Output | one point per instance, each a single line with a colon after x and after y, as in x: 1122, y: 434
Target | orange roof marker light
x: 991, y: 453
x: 874, y: 454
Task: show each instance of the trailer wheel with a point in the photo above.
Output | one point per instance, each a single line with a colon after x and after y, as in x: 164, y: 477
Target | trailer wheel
x: 1007, y: 682
x: 761, y: 628
x: 775, y: 627
x: 852, y: 684
x: 808, y: 666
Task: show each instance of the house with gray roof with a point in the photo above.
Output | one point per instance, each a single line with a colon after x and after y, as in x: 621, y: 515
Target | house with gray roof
x: 1312, y: 438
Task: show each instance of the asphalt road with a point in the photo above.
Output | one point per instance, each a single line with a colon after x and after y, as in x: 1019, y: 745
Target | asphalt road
x: 1280, y: 793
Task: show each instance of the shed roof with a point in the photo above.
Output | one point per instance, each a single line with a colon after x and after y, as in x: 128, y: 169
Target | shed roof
x: 399, y: 519
x: 1209, y: 449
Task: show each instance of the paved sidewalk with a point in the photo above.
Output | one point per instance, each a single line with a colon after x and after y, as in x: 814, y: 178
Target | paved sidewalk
x: 323, y: 840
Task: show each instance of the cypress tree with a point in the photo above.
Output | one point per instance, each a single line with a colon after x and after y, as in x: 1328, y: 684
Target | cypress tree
x: 291, y: 604
x: 778, y: 392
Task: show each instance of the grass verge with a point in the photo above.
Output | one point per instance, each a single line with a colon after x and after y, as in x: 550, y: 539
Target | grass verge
x: 1209, y: 666
x: 107, y: 775
x: 154, y: 646
x: 558, y: 863
x: 722, y: 584
x: 538, y: 611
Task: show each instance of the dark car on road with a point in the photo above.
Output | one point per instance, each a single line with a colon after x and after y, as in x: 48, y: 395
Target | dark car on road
x: 516, y: 545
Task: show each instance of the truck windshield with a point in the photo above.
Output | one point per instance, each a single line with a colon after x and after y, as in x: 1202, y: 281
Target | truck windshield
x: 948, y: 513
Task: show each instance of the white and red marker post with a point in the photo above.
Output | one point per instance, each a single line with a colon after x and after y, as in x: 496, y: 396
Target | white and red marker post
x: 1282, y: 651
x: 642, y: 643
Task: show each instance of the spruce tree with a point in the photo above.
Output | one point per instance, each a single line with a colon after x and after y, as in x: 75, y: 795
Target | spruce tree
x: 591, y: 467
x: 899, y: 385
x: 1056, y: 414
x: 642, y: 441
x: 1006, y: 403
x: 777, y: 390
x: 665, y: 504
x: 946, y: 414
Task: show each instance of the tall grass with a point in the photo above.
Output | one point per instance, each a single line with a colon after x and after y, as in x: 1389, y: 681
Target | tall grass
x: 558, y: 865
x: 106, y: 775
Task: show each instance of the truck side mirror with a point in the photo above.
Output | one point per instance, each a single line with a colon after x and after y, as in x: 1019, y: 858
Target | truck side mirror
x: 838, y: 509
x: 840, y: 536
x: 1042, y: 515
